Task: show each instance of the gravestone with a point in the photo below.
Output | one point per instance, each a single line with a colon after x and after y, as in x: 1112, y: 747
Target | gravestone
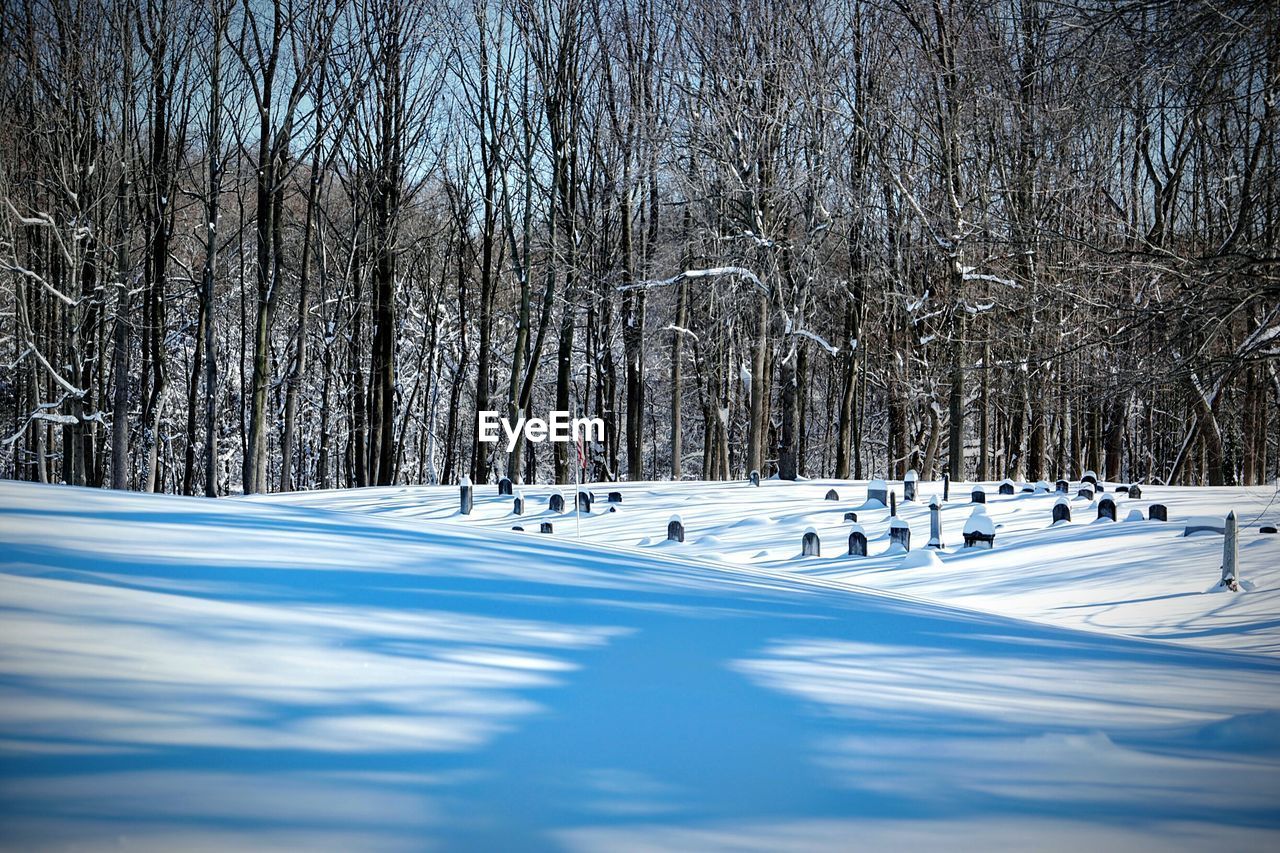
x: 946, y: 486
x: 1135, y: 491
x: 893, y: 504
x: 1062, y: 486
x: 850, y: 516
x: 1230, y: 552
x: 517, y: 527
x: 878, y: 491
x: 1085, y: 492
x: 832, y: 495
x: 545, y: 527
x: 584, y: 501
x: 977, y: 496
x: 1267, y: 528
x: 755, y: 478
x: 504, y: 486
x: 1124, y: 489
x: 1061, y: 510
x: 809, y: 544
x: 1158, y: 512
x: 517, y: 504
x: 900, y: 534
x: 979, y: 531
x: 615, y: 497
x: 857, y: 541
x: 1007, y: 487
x: 556, y: 503
x: 1089, y: 477
x: 935, y: 523
x: 1107, y: 508
x: 1204, y: 524
x: 613, y: 509
x: 909, y: 483
x: 675, y: 529
x: 464, y: 496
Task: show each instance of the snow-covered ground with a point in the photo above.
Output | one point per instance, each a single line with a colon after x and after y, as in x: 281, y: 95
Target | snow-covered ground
x: 369, y: 670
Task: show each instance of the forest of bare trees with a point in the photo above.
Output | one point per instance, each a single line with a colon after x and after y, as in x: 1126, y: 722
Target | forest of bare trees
x: 267, y: 245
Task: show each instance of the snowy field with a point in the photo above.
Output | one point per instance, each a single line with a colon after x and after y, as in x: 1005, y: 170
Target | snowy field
x: 370, y: 670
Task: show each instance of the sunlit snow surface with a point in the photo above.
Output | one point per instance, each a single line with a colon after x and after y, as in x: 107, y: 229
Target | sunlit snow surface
x: 369, y: 670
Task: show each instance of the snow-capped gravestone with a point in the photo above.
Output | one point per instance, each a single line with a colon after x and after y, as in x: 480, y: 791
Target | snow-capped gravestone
x: 615, y: 497
x: 675, y: 529
x: 979, y: 531
x: 899, y: 534
x: 1134, y: 515
x: 464, y: 496
x: 1086, y: 492
x: 517, y: 528
x: 1267, y: 528
x: 1062, y: 486
x: 832, y: 495
x: 893, y: 504
x: 1122, y: 490
x: 857, y: 541
x: 935, y: 523
x: 850, y: 516
x: 1230, y: 552
x: 584, y: 501
x: 504, y: 486
x: 1041, y: 487
x: 809, y: 544
x: 977, y: 496
x: 878, y: 492
x: 1204, y: 524
x: 755, y: 478
x: 517, y: 504
x: 1135, y: 491
x: 1061, y: 510
x: 556, y: 503
x: 1089, y: 477
x: 1007, y: 487
x: 545, y: 527
x: 909, y: 484
x: 1158, y: 512
x: 1107, y: 508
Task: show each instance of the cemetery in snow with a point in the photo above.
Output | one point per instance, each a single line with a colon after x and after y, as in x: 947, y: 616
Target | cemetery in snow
x: 1057, y: 549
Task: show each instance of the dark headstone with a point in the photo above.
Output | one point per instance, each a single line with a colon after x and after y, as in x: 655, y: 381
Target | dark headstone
x: 850, y: 516
x: 1267, y: 528
x: 675, y: 530
x: 755, y: 478
x: 1061, y: 512
x: 1090, y: 478
x: 809, y: 545
x: 1124, y: 489
x: 504, y: 486
x: 613, y: 509
x: 900, y: 534
x: 615, y: 497
x: 517, y: 527
x: 909, y: 484
x: 980, y: 540
x: 935, y: 524
x: 1107, y: 508
x: 893, y: 504
x: 1006, y: 488
x: 517, y: 506
x: 1085, y: 492
x: 1062, y: 486
x: 946, y: 486
x: 832, y: 495
x: 464, y: 497
x: 1135, y: 491
x: 545, y: 528
x: 556, y: 504
x: 978, y: 496
x: 857, y: 544
x: 1158, y: 512
x: 1028, y: 490
x: 584, y: 501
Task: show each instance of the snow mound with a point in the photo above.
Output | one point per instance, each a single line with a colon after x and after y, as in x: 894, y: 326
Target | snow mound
x: 922, y: 558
